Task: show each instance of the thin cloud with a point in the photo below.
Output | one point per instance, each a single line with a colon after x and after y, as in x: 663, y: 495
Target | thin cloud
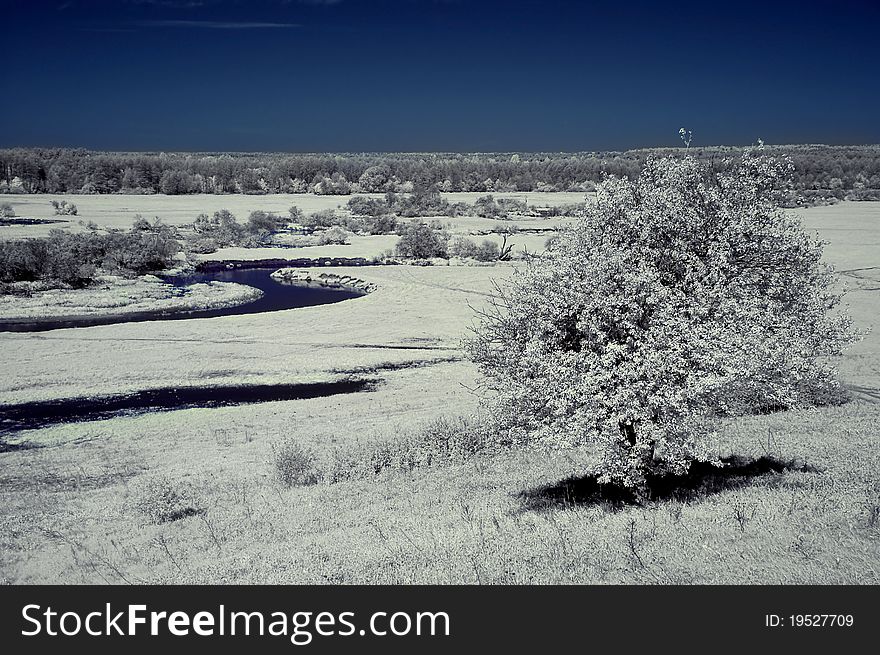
x: 217, y: 25
x: 173, y: 4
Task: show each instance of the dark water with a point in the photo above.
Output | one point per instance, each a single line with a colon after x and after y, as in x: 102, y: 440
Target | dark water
x: 276, y: 296
x: 40, y: 414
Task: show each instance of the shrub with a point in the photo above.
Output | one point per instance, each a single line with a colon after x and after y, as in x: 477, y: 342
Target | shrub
x: 488, y: 251
x: 336, y: 184
x: 296, y: 214
x: 486, y: 207
x: 202, y: 245
x: 385, y: 224
x: 260, y: 222
x: 419, y: 241
x: 333, y: 236
x: 512, y: 206
x: 61, y: 257
x: 64, y: 208
x: 681, y: 294
x: 222, y: 228
x: 324, y: 218
x: 141, y: 224
x: 204, y: 224
x: 146, y: 248
x: 294, y: 465
x: 162, y: 500
x: 462, y: 247
x: 361, y: 206
x: 6, y: 210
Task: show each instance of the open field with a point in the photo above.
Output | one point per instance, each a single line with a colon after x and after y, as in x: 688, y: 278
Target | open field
x: 69, y: 507
x: 118, y: 211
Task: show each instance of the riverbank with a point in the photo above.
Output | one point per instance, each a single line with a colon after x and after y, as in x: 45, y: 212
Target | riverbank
x: 331, y: 280
x: 113, y: 295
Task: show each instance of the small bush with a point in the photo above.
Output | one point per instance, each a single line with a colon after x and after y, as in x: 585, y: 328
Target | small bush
x: 385, y: 224
x: 64, y: 208
x: 419, y: 241
x: 361, y: 206
x: 6, y: 210
x: 488, y: 251
x: 225, y: 230
x: 162, y: 500
x: 333, y: 236
x: 512, y: 205
x: 264, y: 222
x: 296, y: 214
x: 486, y: 207
x: 462, y: 247
x: 324, y: 218
x: 294, y: 465
x: 202, y: 245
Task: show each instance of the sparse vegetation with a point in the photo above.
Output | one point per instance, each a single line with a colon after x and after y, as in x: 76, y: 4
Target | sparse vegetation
x: 443, y: 441
x: 294, y: 465
x: 163, y: 500
x: 63, y: 208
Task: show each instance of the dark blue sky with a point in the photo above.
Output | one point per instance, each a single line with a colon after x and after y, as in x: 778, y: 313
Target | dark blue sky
x: 427, y: 75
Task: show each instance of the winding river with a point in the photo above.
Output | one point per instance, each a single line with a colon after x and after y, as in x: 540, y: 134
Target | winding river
x: 277, y: 295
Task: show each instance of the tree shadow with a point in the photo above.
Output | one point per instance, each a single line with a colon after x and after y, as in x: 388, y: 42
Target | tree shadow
x: 12, y: 447
x: 702, y: 480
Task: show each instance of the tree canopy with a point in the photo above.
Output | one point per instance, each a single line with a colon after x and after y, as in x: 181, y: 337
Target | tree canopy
x: 686, y: 293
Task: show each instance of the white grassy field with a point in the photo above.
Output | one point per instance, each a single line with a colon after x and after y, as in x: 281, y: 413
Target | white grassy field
x: 118, y: 211
x: 69, y: 507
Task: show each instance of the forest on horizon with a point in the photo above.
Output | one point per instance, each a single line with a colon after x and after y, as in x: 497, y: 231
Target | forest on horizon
x: 820, y: 171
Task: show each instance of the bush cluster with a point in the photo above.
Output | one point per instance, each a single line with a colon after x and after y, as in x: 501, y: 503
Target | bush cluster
x: 74, y: 258
x: 222, y: 230
x: 63, y: 208
x: 487, y: 251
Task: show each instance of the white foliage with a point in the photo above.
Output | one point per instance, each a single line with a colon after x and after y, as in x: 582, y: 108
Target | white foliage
x: 684, y: 294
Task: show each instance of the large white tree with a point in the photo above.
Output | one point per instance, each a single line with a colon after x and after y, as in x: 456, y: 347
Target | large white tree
x: 684, y: 294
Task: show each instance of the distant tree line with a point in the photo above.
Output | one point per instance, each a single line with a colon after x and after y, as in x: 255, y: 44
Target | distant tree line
x: 841, y: 171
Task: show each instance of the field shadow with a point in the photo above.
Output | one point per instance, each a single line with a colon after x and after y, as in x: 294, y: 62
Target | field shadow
x: 701, y: 481
x: 13, y: 447
x: 43, y: 413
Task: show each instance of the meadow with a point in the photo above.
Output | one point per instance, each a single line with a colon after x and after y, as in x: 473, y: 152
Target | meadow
x: 73, y: 495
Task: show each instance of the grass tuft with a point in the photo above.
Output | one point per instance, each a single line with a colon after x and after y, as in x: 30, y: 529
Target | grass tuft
x: 442, y: 441
x: 162, y: 500
x: 294, y: 464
